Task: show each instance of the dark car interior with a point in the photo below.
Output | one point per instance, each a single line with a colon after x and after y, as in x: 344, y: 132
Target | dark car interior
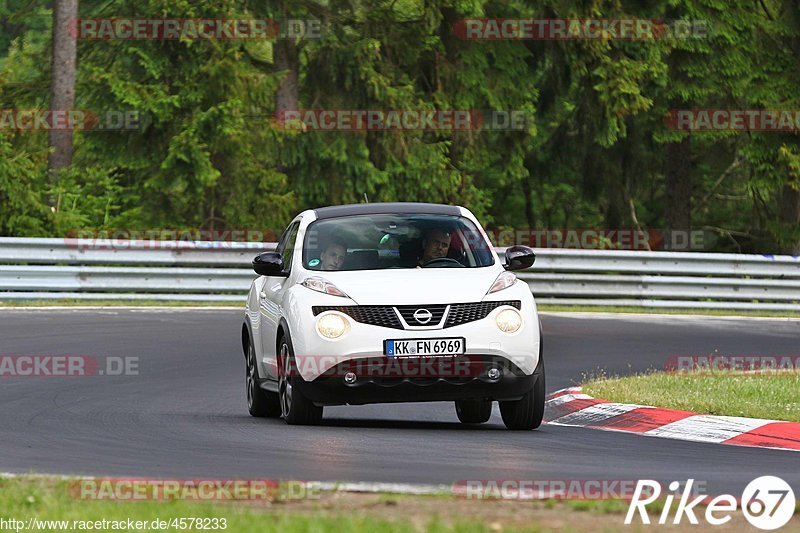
x: 393, y: 242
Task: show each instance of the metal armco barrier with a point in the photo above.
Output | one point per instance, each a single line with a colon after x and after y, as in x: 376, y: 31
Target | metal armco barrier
x: 204, y: 271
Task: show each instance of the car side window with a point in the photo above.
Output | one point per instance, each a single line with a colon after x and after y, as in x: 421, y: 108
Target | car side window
x: 282, y: 240
x: 286, y: 245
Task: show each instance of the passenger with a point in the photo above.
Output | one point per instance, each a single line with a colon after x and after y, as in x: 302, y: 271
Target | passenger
x: 333, y: 255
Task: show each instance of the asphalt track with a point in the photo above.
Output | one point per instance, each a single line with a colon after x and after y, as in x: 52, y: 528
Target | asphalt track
x: 184, y: 415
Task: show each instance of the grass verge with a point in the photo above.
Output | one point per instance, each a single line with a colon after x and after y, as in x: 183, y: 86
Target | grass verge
x: 24, y: 498
x: 771, y: 395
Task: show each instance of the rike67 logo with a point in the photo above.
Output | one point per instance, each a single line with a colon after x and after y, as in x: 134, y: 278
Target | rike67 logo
x: 768, y: 503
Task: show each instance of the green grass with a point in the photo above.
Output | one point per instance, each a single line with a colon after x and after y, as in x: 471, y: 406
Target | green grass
x: 48, y: 499
x: 607, y: 506
x: 771, y: 395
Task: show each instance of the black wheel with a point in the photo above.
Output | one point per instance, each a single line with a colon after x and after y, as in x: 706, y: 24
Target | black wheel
x: 260, y: 403
x: 296, y: 408
x: 527, y: 412
x: 473, y: 411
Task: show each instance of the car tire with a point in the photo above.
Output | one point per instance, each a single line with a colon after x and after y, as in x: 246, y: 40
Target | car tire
x: 295, y: 407
x: 473, y: 411
x: 260, y: 403
x: 527, y: 412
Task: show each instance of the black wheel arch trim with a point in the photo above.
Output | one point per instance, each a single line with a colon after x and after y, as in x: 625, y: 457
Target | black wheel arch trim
x: 247, y: 335
x: 283, y: 325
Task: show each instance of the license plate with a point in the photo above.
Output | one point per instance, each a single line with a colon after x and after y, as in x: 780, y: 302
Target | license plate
x: 417, y: 347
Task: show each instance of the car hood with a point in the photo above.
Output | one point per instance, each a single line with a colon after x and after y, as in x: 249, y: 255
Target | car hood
x: 415, y: 285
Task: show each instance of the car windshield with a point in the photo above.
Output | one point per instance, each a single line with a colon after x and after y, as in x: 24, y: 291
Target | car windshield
x: 375, y: 242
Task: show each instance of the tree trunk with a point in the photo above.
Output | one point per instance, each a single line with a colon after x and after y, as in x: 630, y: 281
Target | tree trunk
x: 612, y: 170
x: 790, y: 217
x: 678, y: 208
x: 617, y: 210
x: 529, y: 215
x: 285, y: 57
x: 62, y: 88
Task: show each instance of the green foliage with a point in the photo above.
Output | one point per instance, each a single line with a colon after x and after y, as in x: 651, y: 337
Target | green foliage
x: 207, y: 153
x: 21, y: 209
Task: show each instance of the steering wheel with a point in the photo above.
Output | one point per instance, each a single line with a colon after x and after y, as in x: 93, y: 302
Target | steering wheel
x: 451, y: 263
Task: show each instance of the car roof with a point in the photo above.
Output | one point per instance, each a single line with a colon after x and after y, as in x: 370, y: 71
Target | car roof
x: 386, y: 208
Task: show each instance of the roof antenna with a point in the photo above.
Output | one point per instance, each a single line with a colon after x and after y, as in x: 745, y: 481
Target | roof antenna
x: 366, y: 199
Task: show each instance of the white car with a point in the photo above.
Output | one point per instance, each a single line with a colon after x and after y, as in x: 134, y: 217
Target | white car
x: 392, y: 302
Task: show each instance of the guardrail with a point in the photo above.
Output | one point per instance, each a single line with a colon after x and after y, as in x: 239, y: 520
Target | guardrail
x: 203, y: 271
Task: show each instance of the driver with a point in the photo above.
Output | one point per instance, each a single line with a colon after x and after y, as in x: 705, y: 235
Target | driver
x: 435, y: 245
x: 333, y: 255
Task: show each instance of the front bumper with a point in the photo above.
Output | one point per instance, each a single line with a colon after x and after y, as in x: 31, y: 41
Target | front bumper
x: 384, y: 380
x: 315, y: 354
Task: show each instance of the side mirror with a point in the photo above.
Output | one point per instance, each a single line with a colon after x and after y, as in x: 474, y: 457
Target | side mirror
x: 269, y: 264
x: 519, y: 258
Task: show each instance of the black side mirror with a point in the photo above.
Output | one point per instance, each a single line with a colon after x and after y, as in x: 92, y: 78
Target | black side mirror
x: 269, y: 264
x: 519, y: 258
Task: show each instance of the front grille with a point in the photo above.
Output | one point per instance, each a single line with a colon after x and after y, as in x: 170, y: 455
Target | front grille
x: 437, y: 312
x: 464, y: 313
x: 376, y: 315
x: 385, y: 316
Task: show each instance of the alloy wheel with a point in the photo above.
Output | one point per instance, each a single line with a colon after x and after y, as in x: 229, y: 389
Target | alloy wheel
x: 251, y: 377
x: 284, y: 380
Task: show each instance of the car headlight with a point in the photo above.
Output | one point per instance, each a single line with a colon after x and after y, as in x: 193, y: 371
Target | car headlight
x: 508, y: 320
x: 503, y: 281
x: 318, y: 284
x: 331, y: 326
